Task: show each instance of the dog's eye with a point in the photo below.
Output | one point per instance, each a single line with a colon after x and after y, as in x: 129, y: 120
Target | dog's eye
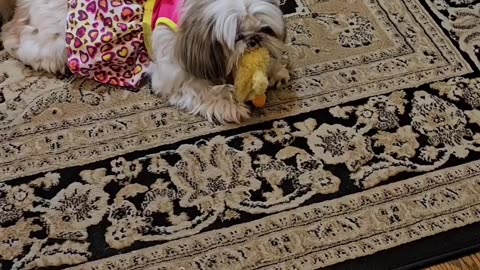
x: 240, y: 37
x: 267, y: 30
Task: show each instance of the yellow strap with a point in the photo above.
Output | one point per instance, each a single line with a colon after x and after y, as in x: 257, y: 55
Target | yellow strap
x: 147, y: 25
x: 167, y: 22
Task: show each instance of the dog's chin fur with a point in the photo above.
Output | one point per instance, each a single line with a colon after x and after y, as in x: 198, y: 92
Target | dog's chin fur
x: 189, y: 67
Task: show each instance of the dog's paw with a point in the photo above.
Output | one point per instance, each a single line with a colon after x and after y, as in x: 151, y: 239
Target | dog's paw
x: 279, y: 77
x: 226, y: 111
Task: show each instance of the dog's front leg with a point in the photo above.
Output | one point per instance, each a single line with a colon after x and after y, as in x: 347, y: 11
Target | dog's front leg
x: 196, y: 96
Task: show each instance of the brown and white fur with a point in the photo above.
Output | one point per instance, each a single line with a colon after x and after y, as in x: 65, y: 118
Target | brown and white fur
x: 187, y: 64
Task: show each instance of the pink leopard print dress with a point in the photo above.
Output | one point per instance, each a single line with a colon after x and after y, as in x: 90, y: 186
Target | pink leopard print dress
x: 105, y: 41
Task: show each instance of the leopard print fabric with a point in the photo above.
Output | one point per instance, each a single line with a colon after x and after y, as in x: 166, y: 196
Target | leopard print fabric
x: 105, y: 41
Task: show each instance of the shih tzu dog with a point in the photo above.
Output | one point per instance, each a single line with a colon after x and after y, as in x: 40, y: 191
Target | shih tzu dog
x: 189, y: 48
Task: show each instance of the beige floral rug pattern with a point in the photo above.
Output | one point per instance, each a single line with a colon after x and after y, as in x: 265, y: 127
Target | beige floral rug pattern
x: 374, y: 144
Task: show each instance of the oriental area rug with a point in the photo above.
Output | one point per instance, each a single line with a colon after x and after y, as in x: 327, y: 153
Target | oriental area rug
x: 368, y: 159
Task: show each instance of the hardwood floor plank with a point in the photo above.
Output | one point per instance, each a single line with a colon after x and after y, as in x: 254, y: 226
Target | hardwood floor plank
x: 471, y: 262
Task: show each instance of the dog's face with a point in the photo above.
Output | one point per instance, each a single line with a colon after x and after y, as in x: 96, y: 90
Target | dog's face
x: 214, y: 34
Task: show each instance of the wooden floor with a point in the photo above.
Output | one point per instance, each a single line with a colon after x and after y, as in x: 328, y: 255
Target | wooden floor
x: 466, y: 263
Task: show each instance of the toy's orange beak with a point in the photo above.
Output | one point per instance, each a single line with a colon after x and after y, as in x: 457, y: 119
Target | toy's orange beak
x: 260, y: 101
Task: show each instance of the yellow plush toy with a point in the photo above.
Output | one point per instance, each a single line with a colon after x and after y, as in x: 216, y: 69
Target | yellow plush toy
x: 251, y: 80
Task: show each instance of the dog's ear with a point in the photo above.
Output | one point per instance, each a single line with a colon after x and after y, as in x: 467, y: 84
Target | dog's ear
x: 199, y: 53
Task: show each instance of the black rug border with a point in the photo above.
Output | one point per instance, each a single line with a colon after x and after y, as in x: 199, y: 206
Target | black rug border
x: 426, y: 252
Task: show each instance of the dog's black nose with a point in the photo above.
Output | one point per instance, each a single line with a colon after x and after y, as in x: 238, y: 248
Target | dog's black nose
x: 254, y: 41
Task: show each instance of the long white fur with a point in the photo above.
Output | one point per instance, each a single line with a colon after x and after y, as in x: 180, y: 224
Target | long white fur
x: 36, y: 36
x: 186, y: 92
